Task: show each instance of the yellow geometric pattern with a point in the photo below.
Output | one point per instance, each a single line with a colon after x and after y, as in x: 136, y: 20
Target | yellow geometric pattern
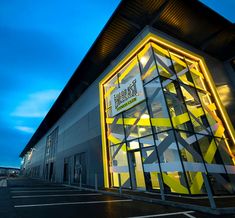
x: 196, y: 111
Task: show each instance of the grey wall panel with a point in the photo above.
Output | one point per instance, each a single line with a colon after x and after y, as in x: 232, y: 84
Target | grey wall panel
x: 94, y: 118
x: 95, y: 162
x: 93, y: 151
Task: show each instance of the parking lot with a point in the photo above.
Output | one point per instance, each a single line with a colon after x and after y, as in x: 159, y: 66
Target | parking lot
x: 33, y: 198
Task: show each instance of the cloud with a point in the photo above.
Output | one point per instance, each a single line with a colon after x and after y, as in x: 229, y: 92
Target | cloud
x: 37, y: 104
x: 25, y: 129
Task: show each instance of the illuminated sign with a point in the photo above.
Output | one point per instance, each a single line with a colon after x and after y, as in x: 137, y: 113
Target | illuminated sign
x: 128, y: 95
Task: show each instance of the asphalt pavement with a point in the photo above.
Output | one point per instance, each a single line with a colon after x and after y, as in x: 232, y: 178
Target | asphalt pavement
x: 30, y: 198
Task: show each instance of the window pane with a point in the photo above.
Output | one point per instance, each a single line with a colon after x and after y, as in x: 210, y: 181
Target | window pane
x: 157, y: 106
x: 109, y: 88
x: 208, y: 149
x: 196, y: 112
x: 196, y: 182
x: 181, y: 69
x: 163, y: 61
x: 211, y: 114
x: 188, y: 146
x: 172, y: 170
x: 129, y: 71
x: 224, y: 152
x: 146, y: 141
x: 178, y: 111
x: 196, y: 74
x: 115, y: 130
x: 137, y: 123
x: 119, y: 165
x: 151, y: 167
x: 147, y: 64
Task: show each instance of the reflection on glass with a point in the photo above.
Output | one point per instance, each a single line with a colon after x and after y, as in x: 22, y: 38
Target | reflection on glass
x: 188, y: 146
x: 129, y: 71
x: 151, y: 167
x: 120, y: 165
x: 157, y: 106
x: 196, y: 182
x: 175, y: 104
x: 196, y: 74
x: 115, y: 130
x: 147, y: 64
x: 164, y: 63
x: 146, y: 141
x: 181, y: 69
x: 196, y: 112
x: 209, y: 149
x: 136, y: 121
x: 224, y: 152
x: 109, y: 88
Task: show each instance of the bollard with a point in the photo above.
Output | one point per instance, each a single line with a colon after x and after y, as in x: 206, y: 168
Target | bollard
x: 120, y: 184
x: 80, y: 180
x: 96, y: 182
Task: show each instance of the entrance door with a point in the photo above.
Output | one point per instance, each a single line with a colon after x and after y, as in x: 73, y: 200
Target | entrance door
x: 136, y: 170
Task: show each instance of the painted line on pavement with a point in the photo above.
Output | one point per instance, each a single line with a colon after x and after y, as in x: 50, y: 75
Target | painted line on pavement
x: 64, y: 195
x: 39, y: 188
x: 189, y: 215
x: 60, y: 190
x: 186, y: 213
x: 71, y: 203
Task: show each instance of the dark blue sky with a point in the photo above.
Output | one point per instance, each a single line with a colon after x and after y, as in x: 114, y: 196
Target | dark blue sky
x: 41, y: 44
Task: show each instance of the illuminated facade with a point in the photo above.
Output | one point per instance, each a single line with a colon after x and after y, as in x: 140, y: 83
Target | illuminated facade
x: 146, y: 106
x: 178, y: 134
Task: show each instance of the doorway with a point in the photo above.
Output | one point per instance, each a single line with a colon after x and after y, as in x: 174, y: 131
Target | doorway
x: 136, y: 170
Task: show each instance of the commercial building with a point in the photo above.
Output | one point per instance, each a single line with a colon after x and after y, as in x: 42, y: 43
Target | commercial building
x: 150, y: 107
x: 9, y: 172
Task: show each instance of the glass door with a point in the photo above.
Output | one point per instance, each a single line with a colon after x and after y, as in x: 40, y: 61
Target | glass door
x: 136, y: 170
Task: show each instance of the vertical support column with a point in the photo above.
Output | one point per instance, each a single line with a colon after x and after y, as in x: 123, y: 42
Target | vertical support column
x: 161, y: 187
x: 80, y: 181
x: 96, y: 182
x: 120, y: 183
x: 209, y: 191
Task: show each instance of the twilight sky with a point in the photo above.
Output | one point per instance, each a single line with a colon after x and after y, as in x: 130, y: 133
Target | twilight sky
x: 41, y: 44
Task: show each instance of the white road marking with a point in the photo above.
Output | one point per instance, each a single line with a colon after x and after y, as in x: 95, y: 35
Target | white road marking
x: 39, y: 188
x: 64, y: 195
x: 189, y: 215
x: 165, y: 214
x: 71, y: 203
x: 31, y: 191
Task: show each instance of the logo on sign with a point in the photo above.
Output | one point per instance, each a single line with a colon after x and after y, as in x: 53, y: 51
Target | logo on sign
x: 128, y: 95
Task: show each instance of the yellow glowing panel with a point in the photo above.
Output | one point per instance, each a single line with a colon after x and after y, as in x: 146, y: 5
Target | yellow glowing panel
x: 195, y: 59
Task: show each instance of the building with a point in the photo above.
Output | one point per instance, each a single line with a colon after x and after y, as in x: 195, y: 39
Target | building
x: 150, y: 107
x: 9, y: 172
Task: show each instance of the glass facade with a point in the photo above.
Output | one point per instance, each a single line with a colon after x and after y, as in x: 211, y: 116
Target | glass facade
x: 176, y: 136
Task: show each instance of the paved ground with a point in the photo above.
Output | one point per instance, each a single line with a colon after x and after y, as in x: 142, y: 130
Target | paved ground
x: 27, y: 198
